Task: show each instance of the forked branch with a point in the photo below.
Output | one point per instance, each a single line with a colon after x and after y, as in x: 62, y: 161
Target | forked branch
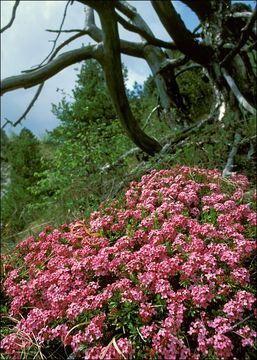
x: 57, y: 37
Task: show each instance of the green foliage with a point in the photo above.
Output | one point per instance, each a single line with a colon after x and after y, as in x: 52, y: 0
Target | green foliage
x: 24, y: 159
x: 4, y: 145
x: 197, y: 92
x: 89, y: 137
x: 62, y: 177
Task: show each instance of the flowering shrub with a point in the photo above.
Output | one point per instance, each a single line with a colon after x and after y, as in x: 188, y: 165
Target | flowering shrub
x: 158, y: 275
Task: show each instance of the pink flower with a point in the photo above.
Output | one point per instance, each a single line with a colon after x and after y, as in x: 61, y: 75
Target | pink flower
x: 201, y: 295
x: 220, y: 324
x: 248, y: 336
x: 148, y: 330
x: 198, y: 327
x: 235, y: 308
x: 241, y: 275
x: 163, y: 287
x: 173, y: 248
x: 146, y: 312
x: 222, y: 345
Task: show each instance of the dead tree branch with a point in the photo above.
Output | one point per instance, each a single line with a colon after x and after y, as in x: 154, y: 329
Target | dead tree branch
x: 120, y: 160
x: 47, y: 71
x: 93, y: 31
x: 34, y: 99
x: 31, y: 104
x: 245, y: 32
x: 114, y: 79
x: 15, y: 6
x: 240, y: 98
x: 229, y: 165
x: 246, y: 14
x: 161, y: 67
x: 150, y: 115
x: 64, y: 31
x: 138, y: 25
x: 66, y: 42
x: 37, y: 76
x: 150, y: 39
x: 182, y: 37
x: 187, y: 68
x: 58, y: 35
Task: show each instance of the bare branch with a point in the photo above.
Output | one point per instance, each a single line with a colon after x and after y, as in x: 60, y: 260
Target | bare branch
x: 149, y: 116
x: 66, y: 42
x: 64, y: 31
x: 34, y: 99
x: 173, y: 62
x: 90, y: 26
x: 245, y: 32
x: 47, y: 71
x: 150, y: 39
x: 198, y: 27
x: 31, y: 104
x: 89, y: 17
x: 245, y: 14
x: 187, y: 68
x: 229, y: 165
x: 6, y: 123
x: 241, y: 99
x: 36, y: 76
x: 80, y: 33
x: 138, y: 25
x: 120, y: 160
x: 57, y: 37
x: 15, y: 6
x: 128, y: 10
x: 182, y: 37
x: 160, y: 66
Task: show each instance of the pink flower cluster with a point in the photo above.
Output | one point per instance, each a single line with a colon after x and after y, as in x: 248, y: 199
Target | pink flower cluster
x: 161, y: 274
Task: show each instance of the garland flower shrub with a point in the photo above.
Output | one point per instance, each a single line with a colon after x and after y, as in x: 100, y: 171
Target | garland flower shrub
x: 162, y: 273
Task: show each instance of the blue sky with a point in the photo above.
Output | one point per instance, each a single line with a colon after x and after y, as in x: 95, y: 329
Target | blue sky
x: 26, y: 44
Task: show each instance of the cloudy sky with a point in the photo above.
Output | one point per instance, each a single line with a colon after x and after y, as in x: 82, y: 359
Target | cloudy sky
x: 26, y: 44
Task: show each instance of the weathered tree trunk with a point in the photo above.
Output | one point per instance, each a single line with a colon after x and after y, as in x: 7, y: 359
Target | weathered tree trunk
x: 225, y: 54
x: 232, y: 74
x: 162, y: 70
x: 113, y: 73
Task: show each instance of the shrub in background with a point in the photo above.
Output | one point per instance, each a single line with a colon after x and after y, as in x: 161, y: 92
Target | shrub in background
x: 23, y: 155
